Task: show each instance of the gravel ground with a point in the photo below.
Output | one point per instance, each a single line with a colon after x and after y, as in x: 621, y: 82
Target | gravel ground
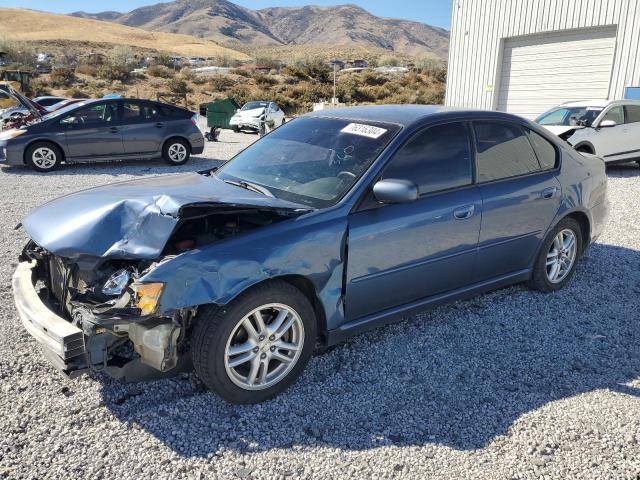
x: 513, y: 384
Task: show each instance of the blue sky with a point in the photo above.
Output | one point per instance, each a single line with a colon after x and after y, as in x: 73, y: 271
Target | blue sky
x: 433, y: 12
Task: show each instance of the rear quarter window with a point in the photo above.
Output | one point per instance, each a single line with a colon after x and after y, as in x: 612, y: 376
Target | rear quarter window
x: 544, y: 149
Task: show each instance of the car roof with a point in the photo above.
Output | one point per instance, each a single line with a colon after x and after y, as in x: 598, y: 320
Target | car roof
x: 407, y: 115
x: 599, y: 103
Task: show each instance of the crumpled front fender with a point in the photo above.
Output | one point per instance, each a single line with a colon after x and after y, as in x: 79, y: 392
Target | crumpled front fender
x: 218, y: 273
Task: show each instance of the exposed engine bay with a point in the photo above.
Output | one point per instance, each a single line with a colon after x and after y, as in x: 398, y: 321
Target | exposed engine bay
x: 101, y: 296
x: 18, y: 110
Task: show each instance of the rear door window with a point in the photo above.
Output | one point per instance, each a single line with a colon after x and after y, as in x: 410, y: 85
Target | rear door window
x: 503, y: 151
x: 131, y: 112
x: 438, y: 158
x: 632, y: 113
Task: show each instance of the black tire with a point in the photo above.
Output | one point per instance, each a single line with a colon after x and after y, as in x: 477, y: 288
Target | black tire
x: 172, y: 147
x: 214, y: 326
x: 539, y: 279
x: 33, y: 156
x: 235, y: 129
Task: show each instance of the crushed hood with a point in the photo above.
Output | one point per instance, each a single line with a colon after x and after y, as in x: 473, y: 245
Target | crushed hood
x: 561, y: 129
x: 133, y: 219
x: 254, y: 112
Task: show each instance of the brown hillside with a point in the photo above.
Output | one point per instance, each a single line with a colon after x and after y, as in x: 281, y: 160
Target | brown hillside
x: 47, y: 26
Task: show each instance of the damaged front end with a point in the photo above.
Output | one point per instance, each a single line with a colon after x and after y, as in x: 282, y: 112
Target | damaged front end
x: 79, y: 286
x: 93, y: 314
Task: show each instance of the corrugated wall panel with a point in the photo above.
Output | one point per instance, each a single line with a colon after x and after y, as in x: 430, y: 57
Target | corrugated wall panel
x: 479, y: 28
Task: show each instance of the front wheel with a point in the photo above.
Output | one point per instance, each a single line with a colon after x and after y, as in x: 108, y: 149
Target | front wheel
x: 257, y: 346
x: 556, y: 262
x: 43, y: 156
x: 176, y: 151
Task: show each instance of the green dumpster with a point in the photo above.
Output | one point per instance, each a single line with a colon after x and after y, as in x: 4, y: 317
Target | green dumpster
x: 218, y: 116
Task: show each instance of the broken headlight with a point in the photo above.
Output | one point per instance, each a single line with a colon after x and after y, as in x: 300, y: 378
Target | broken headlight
x: 147, y: 296
x: 117, y: 282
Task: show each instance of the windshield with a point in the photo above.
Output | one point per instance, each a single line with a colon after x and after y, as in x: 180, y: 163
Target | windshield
x: 253, y: 105
x: 570, y: 116
x: 311, y: 161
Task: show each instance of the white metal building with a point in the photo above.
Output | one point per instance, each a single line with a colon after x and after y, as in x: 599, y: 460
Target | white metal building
x: 526, y: 56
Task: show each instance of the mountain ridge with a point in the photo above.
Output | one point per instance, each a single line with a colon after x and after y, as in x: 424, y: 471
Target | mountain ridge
x: 228, y: 23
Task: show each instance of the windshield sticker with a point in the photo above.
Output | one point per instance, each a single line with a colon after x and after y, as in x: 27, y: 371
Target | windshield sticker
x: 364, y: 130
x: 594, y: 109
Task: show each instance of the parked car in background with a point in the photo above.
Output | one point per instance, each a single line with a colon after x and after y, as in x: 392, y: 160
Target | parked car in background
x: 104, y: 129
x: 47, y: 101
x: 64, y: 103
x: 254, y: 115
x: 336, y: 223
x: 609, y: 129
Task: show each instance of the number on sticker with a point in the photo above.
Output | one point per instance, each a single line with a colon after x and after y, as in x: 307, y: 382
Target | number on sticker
x: 364, y: 130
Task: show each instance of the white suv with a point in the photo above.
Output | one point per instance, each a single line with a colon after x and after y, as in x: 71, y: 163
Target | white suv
x: 609, y: 129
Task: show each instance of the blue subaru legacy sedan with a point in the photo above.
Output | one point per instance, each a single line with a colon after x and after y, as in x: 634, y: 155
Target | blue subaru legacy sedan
x: 335, y: 223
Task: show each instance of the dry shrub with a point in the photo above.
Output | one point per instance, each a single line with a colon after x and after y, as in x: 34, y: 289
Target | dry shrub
x: 241, y: 72
x: 86, y: 69
x: 187, y: 74
x: 62, y: 77
x: 221, y: 82
x: 264, y: 80
x: 160, y: 71
x: 76, y: 93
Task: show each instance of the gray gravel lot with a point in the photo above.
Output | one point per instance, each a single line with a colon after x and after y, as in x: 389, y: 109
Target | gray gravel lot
x: 513, y: 384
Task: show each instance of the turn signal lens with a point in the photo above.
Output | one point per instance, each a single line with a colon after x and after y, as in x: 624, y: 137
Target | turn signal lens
x: 147, y: 296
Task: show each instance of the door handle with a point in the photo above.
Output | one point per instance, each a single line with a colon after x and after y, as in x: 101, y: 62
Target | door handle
x: 463, y: 213
x: 548, y: 192
x: 113, y: 129
x: 159, y: 125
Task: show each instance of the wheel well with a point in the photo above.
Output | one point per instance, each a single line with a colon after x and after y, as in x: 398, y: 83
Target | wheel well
x: 585, y: 227
x: 179, y: 138
x: 306, y: 287
x: 57, y: 145
x: 585, y: 147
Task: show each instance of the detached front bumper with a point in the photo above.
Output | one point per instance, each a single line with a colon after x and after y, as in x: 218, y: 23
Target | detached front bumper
x: 62, y: 342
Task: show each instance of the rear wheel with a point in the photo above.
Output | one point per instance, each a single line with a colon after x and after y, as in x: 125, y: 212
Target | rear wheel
x: 43, y: 156
x: 176, y: 151
x: 257, y: 346
x: 556, y: 262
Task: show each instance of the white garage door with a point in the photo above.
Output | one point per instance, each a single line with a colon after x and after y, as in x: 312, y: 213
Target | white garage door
x: 539, y: 72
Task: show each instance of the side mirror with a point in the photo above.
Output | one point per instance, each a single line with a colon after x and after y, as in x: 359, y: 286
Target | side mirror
x: 607, y: 124
x: 393, y: 190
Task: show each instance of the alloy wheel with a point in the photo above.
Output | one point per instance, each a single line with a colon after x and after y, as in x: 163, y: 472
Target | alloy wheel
x: 561, y: 255
x: 177, y: 152
x: 264, y: 346
x: 44, y: 158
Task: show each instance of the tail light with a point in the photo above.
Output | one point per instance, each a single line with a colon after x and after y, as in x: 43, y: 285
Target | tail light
x: 194, y: 120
